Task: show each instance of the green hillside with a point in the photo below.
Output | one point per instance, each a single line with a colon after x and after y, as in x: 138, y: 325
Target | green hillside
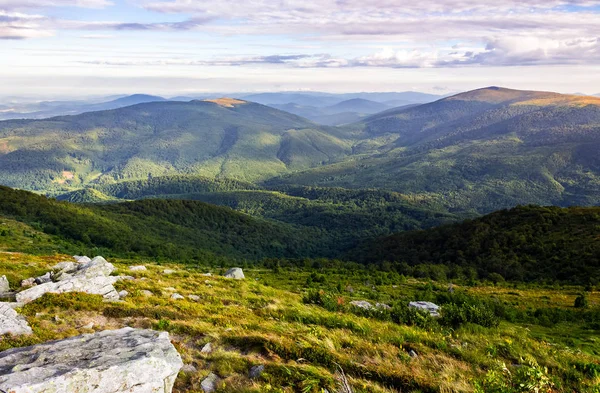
x: 525, y: 244
x: 218, y: 138
x: 484, y: 150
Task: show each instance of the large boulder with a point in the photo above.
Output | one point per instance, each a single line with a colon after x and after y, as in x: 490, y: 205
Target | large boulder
x: 11, y: 322
x: 236, y: 273
x: 114, y: 361
x: 100, y: 285
x: 4, y: 286
x: 365, y: 305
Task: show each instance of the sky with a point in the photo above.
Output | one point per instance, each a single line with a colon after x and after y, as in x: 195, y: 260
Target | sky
x: 72, y: 48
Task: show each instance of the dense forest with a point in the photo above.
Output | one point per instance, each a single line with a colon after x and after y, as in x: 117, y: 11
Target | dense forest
x: 527, y: 243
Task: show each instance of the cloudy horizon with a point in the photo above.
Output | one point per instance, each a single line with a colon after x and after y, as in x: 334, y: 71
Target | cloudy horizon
x: 66, y: 48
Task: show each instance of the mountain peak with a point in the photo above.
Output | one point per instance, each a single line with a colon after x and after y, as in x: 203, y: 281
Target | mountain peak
x: 226, y: 102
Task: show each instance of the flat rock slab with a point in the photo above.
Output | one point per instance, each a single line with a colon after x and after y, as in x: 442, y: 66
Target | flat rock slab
x: 11, y: 322
x: 113, y: 361
x: 235, y: 273
x: 100, y: 285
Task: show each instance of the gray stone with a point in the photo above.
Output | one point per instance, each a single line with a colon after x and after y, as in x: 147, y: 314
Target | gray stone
x: 65, y: 267
x: 100, y: 285
x: 177, y: 296
x: 362, y: 304
x: 189, y: 369
x: 29, y: 282
x: 94, y: 268
x: 207, y: 274
x: 146, y: 293
x: 4, y: 285
x: 123, y: 294
x: 256, y: 371
x: 169, y: 271
x: 83, y: 259
x: 11, y: 322
x: 44, y: 279
x: 210, y: 383
x: 138, y: 268
x: 235, y: 273
x: 413, y: 354
x: 431, y: 308
x: 194, y: 297
x: 115, y: 361
x: 207, y: 348
x: 383, y: 306
x: 89, y: 326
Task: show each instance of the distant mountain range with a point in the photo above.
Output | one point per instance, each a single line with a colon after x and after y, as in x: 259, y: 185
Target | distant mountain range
x: 473, y: 152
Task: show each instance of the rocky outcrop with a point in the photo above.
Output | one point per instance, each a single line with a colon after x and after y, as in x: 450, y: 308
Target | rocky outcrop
x: 11, y: 322
x: 118, y: 361
x: 236, y: 273
x: 91, y: 276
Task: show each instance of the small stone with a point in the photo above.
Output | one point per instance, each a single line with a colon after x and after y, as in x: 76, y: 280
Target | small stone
x: 123, y: 294
x: 235, y: 273
x: 413, y: 354
x: 4, y: 285
x: 29, y: 282
x: 82, y: 259
x: 146, y: 293
x: 194, y: 297
x: 169, y: 271
x: 138, y: 268
x: 170, y: 289
x: 207, y: 348
x: 362, y: 304
x: 256, y: 371
x: 189, y: 369
x: 209, y: 384
x: 44, y: 279
x: 431, y: 308
x: 89, y: 326
x: 207, y: 274
x: 125, y: 278
x: 57, y: 319
x: 177, y: 296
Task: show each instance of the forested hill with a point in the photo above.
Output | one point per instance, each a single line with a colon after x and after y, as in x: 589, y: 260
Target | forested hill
x: 525, y: 243
x: 170, y: 229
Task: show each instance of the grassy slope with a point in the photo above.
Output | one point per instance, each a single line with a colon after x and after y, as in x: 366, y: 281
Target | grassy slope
x: 525, y: 243
x: 263, y: 320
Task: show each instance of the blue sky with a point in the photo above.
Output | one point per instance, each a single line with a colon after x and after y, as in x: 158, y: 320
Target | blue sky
x: 60, y: 48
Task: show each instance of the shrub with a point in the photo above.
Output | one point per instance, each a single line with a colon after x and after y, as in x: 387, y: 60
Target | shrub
x: 456, y: 315
x: 581, y: 301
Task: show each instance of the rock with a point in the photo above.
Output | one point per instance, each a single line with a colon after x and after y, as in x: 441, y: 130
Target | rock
x: 194, y: 297
x: 101, y: 285
x: 189, y: 369
x: 146, y: 293
x: 125, y: 278
x: 94, y: 268
x: 256, y: 371
x: 138, y: 268
x: 44, y: 279
x: 383, y: 306
x: 207, y: 274
x: 170, y: 289
x: 82, y: 259
x: 65, y: 267
x: 4, y: 285
x: 431, y: 308
x: 210, y: 383
x: 123, y: 294
x: 89, y: 326
x: 207, y: 348
x: 177, y: 296
x: 236, y: 273
x: 413, y: 354
x: 113, y: 361
x: 362, y: 304
x: 29, y: 282
x: 11, y: 322
x: 169, y: 271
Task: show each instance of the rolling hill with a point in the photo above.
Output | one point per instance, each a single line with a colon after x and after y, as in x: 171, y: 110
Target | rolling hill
x: 527, y: 243
x: 487, y: 149
x: 215, y: 138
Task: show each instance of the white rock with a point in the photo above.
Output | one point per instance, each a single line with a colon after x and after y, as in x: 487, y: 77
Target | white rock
x: 89, y: 326
x: 207, y: 348
x: 194, y: 297
x: 236, y: 273
x: 29, y: 282
x: 4, y: 285
x: 96, y: 267
x: 169, y: 271
x: 146, y: 293
x: 207, y: 274
x: 65, y: 267
x: 362, y: 304
x: 118, y: 361
x: 11, y: 322
x: 138, y: 268
x: 82, y: 259
x: 123, y: 294
x: 100, y: 285
x: 177, y: 296
x: 210, y: 383
x: 431, y: 308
